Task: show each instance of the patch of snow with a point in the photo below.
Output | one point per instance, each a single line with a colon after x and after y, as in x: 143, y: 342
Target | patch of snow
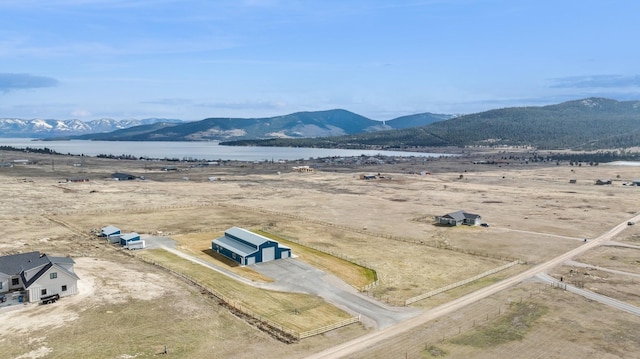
x: 36, y: 353
x: 590, y: 103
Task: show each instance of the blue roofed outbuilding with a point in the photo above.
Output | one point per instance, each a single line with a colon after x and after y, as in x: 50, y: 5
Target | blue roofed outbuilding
x: 245, y: 247
x: 127, y: 238
x: 109, y: 231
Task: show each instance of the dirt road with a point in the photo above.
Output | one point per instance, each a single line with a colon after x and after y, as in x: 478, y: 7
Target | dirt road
x: 365, y: 341
x: 591, y: 295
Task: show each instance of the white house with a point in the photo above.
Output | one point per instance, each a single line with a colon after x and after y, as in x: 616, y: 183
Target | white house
x: 38, y: 275
x: 459, y: 217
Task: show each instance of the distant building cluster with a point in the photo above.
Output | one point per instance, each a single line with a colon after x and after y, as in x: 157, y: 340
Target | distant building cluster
x: 303, y: 169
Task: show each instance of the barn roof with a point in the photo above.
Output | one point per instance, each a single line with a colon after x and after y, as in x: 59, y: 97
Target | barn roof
x: 235, y: 246
x: 130, y: 236
x: 110, y: 230
x: 233, y: 240
x: 248, y: 236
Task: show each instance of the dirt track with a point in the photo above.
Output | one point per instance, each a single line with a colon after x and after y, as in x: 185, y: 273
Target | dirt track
x: 366, y: 341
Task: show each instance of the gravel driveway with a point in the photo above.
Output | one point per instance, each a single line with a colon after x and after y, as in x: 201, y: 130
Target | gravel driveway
x: 293, y: 275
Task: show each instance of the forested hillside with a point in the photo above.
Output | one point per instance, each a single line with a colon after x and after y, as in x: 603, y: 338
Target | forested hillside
x: 593, y: 123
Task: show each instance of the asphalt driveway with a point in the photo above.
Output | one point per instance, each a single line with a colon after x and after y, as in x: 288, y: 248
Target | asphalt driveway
x: 293, y: 275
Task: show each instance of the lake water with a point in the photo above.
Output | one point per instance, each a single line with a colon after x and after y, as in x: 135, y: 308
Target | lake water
x: 210, y: 151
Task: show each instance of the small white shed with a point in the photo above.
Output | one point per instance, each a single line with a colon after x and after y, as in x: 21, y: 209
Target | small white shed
x: 135, y: 245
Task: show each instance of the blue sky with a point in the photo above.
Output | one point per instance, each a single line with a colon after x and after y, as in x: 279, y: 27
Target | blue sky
x: 193, y: 59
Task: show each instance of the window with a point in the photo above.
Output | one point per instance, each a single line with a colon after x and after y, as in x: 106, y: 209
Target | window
x: 0, y: 285
x: 43, y: 292
x: 53, y: 275
x: 15, y: 281
x: 64, y: 288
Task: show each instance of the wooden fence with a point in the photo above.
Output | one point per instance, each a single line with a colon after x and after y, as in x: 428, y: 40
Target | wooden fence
x: 283, y: 333
x: 334, y: 254
x: 458, y: 284
x: 328, y: 328
x: 429, y: 243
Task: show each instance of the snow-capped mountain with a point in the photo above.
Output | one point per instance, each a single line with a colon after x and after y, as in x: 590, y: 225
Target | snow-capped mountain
x: 41, y: 128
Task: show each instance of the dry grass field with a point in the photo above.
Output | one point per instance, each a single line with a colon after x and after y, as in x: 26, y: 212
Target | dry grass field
x: 528, y: 321
x: 128, y: 308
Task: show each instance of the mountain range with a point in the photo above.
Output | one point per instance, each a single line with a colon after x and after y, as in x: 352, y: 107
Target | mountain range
x: 296, y: 125
x: 46, y: 128
x: 586, y: 124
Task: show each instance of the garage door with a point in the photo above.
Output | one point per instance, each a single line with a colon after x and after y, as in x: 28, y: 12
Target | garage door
x: 284, y: 254
x: 268, y: 254
x: 251, y: 260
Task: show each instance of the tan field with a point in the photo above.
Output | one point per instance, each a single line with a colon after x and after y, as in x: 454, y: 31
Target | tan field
x: 339, y: 223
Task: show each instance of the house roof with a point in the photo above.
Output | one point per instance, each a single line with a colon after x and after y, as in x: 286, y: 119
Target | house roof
x: 461, y: 215
x: 122, y: 175
x: 110, y: 230
x: 17, y: 264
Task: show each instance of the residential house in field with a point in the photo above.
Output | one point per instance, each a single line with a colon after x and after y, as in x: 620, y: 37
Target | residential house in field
x: 459, y: 217
x: 303, y: 169
x: 245, y: 247
x: 78, y: 179
x: 368, y: 177
x: 119, y: 176
x: 37, y: 275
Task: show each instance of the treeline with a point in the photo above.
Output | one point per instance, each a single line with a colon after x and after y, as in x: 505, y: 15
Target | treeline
x: 586, y: 125
x: 380, y: 140
x: 593, y: 158
x: 46, y: 151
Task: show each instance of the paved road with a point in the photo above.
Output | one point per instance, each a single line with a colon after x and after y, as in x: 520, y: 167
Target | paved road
x: 591, y: 295
x: 361, y: 343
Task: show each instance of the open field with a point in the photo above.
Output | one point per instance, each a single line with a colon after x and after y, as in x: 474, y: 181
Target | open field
x: 553, y: 324
x: 386, y: 225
